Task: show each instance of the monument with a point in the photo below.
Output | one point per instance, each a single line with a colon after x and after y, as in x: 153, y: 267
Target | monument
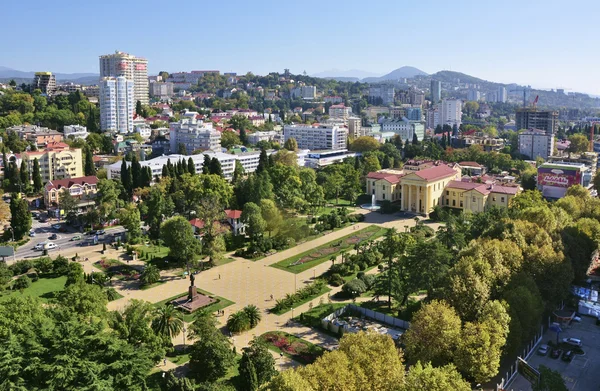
x: 193, y: 300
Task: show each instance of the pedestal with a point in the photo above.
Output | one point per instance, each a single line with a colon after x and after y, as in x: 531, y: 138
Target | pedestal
x: 192, y: 293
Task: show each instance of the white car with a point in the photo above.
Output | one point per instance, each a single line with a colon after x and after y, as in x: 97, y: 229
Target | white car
x: 39, y: 246
x: 572, y: 341
x: 50, y: 246
x: 577, y: 319
x: 56, y: 226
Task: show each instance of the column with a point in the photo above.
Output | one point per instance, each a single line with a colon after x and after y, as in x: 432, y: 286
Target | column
x: 418, y: 203
x: 404, y: 194
x: 426, y: 201
x: 409, y: 198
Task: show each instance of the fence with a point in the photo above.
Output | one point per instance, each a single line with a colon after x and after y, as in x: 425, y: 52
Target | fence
x: 327, y: 322
x: 527, y: 351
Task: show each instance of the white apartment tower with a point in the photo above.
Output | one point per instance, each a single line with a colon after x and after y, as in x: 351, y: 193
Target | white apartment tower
x: 117, y: 104
x: 131, y: 67
x: 317, y: 137
x: 194, y: 134
x: 451, y: 112
x: 501, y: 95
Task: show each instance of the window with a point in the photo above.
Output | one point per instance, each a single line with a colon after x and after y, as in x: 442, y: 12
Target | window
x: 383, y: 196
x: 447, y: 192
x: 453, y: 202
x: 494, y: 199
x: 447, y: 202
x: 473, y: 199
x: 461, y: 204
x: 501, y: 199
x: 453, y: 193
x: 373, y: 191
x: 383, y: 187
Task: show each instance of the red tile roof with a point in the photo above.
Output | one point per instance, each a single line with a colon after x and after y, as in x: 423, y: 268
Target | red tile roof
x: 233, y: 213
x: 68, y: 182
x: 386, y: 176
x: 463, y: 185
x: 197, y: 223
x: 505, y: 189
x: 441, y: 171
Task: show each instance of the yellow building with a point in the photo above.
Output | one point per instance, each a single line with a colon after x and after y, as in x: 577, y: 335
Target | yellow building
x: 83, y: 189
x: 385, y: 185
x: 477, y: 197
x: 57, y: 161
x: 424, y: 189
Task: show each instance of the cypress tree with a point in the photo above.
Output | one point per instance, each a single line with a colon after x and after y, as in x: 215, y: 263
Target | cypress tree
x: 206, y: 165
x: 126, y: 179
x: 415, y: 140
x: 24, y: 173
x: 243, y: 136
x: 89, y: 168
x: 191, y: 167
x: 215, y: 167
x: 263, y: 161
x: 248, y: 373
x: 37, y: 176
x: 165, y: 171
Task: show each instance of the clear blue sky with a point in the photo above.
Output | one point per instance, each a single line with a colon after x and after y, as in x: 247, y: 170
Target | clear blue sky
x: 547, y: 44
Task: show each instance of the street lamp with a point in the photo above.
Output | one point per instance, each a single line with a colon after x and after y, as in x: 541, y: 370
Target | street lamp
x: 184, y: 330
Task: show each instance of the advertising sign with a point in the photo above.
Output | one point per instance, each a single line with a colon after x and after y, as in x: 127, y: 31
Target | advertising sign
x: 527, y: 371
x: 558, y: 177
x: 140, y: 67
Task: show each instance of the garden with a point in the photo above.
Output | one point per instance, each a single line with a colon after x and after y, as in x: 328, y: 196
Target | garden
x: 314, y: 257
x: 293, y: 347
x: 117, y: 269
x: 312, y: 317
x: 301, y: 296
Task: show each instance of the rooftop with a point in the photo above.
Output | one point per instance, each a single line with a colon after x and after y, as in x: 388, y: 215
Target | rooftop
x: 438, y: 172
x: 60, y: 183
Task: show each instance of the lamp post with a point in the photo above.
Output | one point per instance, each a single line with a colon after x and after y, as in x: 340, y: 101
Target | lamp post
x: 184, y: 330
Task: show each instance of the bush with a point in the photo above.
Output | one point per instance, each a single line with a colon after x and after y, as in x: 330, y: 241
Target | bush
x: 21, y: 267
x: 22, y: 283
x: 336, y: 279
x: 369, y: 280
x: 354, y: 288
x: 60, y: 265
x: 234, y: 242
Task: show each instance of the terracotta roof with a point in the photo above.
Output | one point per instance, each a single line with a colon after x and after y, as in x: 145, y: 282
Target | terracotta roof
x: 233, y: 213
x: 197, y: 223
x: 57, y: 146
x: 505, y: 189
x: 68, y: 182
x: 462, y: 185
x: 470, y: 164
x: 386, y: 176
x: 441, y: 171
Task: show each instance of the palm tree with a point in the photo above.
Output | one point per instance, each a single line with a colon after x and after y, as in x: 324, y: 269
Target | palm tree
x: 253, y: 314
x: 238, y: 322
x: 150, y: 275
x: 168, y: 321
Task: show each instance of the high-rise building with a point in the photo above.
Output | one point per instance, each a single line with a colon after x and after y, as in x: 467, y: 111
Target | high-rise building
x: 451, y: 112
x: 131, y: 67
x: 536, y: 143
x: 532, y: 118
x: 384, y: 92
x: 473, y: 95
x: 436, y: 91
x: 117, y: 104
x: 44, y: 81
x: 501, y: 95
x: 354, y: 127
x: 317, y: 137
x: 433, y: 117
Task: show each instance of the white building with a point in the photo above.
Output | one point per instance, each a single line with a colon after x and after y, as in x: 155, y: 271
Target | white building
x: 473, y: 95
x: 436, y: 91
x: 404, y: 128
x: 304, y: 92
x: 161, y: 90
x: 433, y: 117
x: 76, y: 131
x: 384, y: 92
x: 317, y: 137
x: 117, y: 104
x: 194, y: 134
x: 131, y: 67
x: 534, y: 143
x: 451, y: 112
x: 340, y: 112
x: 354, y: 127
x: 256, y: 137
x: 501, y: 95
x: 144, y: 131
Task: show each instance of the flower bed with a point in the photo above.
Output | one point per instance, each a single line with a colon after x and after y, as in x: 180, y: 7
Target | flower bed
x: 117, y: 269
x: 292, y: 346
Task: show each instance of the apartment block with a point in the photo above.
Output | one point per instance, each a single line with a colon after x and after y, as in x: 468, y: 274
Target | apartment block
x: 405, y: 128
x: 534, y: 143
x: 162, y: 90
x: 132, y: 68
x: 57, y: 161
x: 385, y: 93
x: 44, y: 81
x: 117, y: 104
x: 532, y: 118
x: 340, y: 112
x: 194, y: 134
x: 317, y: 137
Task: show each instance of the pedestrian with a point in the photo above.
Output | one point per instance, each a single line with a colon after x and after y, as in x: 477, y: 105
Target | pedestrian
x: 219, y: 276
x: 165, y: 361
x: 271, y: 297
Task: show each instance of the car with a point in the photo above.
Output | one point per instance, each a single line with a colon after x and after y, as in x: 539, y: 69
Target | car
x: 32, y: 233
x: 39, y: 246
x: 35, y: 215
x: 43, y: 220
x: 567, y: 356
x: 53, y: 237
x: 100, y: 232
x: 572, y: 341
x: 76, y: 237
x: 543, y: 350
x: 50, y: 246
x: 576, y: 319
x: 56, y: 226
x: 92, y: 232
x: 555, y: 353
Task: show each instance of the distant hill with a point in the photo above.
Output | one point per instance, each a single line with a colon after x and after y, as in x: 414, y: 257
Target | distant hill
x: 79, y: 78
x: 349, y: 75
x: 402, y: 72
x: 452, y: 77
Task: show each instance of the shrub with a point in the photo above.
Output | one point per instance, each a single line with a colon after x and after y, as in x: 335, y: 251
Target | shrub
x: 238, y: 322
x: 60, y: 265
x: 336, y: 279
x: 354, y: 288
x: 22, y: 283
x: 43, y: 265
x: 369, y: 280
x: 21, y: 267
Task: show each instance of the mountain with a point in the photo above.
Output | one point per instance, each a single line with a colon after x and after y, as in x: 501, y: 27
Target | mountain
x: 402, y: 72
x: 452, y: 77
x: 80, y: 78
x: 354, y: 74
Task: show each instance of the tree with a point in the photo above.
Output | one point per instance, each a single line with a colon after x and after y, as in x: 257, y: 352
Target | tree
x: 550, y: 380
x: 262, y: 360
x: 434, y: 333
x: 252, y: 218
x: 178, y: 235
x: 263, y: 161
x: 579, y: 143
x: 364, y: 144
x: 20, y: 221
x: 238, y: 322
x: 471, y: 107
x: 291, y: 144
x: 89, y: 168
x: 248, y: 376
x: 130, y: 218
x: 229, y: 139
x: 74, y: 273
x: 24, y: 174
x: 211, y: 356
x: 139, y: 110
x: 67, y: 203
x: 371, y: 164
x: 215, y: 167
x: 150, y: 275
x: 238, y: 173
x: 84, y: 299
x: 253, y: 314
x: 167, y: 321
x: 243, y: 136
x: 156, y: 203
x: 23, y: 282
x: 431, y: 378
x: 271, y: 215
x: 126, y: 178
x: 181, y: 149
x: 285, y: 157
x: 206, y: 165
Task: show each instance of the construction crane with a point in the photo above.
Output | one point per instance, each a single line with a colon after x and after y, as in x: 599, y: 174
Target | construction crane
x: 592, y: 127
x: 524, y: 90
x: 535, y: 101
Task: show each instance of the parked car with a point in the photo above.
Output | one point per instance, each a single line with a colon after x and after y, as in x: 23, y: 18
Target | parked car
x: 567, y: 356
x: 92, y: 232
x: 53, y: 237
x: 100, y: 232
x: 50, y: 246
x: 76, y: 237
x: 42, y: 219
x: 555, y: 353
x: 32, y: 233
x: 572, y: 341
x: 576, y: 319
x: 39, y: 246
x: 56, y: 226
x: 543, y: 350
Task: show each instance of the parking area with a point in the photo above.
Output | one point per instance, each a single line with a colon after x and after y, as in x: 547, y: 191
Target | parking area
x: 583, y: 371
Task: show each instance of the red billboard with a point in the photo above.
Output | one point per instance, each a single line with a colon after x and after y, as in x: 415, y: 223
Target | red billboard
x: 140, y: 67
x: 559, y: 176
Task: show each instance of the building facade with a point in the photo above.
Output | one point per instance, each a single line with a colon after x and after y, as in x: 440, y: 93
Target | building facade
x: 83, y: 189
x: 75, y: 131
x: 317, y: 136
x: 477, y: 197
x: 532, y: 118
x: 384, y: 92
x: 117, y: 104
x: 57, y: 161
x: 501, y: 95
x: 340, y: 112
x: 473, y: 95
x: 304, y: 92
x: 134, y: 69
x: 534, y: 143
x: 451, y: 112
x: 554, y: 179
x: 194, y: 134
x: 162, y: 90
x: 44, y: 81
x: 436, y: 91
x: 354, y: 127
x: 404, y: 128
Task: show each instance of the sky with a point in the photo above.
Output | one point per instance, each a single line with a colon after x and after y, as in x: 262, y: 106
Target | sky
x: 543, y: 43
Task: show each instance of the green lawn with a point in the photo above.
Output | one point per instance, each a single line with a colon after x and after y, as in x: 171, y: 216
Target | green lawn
x: 178, y: 357
x: 220, y: 304
x: 44, y: 288
x: 323, y: 290
x: 323, y: 253
x: 312, y: 318
x: 152, y: 250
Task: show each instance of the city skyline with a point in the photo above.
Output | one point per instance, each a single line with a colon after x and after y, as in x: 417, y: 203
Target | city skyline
x: 433, y: 37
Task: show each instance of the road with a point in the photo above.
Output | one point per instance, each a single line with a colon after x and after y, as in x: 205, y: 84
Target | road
x: 43, y: 231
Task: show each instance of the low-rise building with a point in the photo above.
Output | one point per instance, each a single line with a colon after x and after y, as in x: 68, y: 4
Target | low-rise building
x: 553, y: 179
x: 340, y: 112
x: 477, y: 197
x: 472, y: 168
x: 75, y: 131
x: 39, y: 135
x: 320, y: 159
x: 404, y: 128
x: 256, y: 137
x: 385, y: 185
x: 83, y: 189
x: 234, y: 218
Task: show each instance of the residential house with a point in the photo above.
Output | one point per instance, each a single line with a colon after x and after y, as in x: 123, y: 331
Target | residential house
x: 234, y: 218
x: 83, y: 189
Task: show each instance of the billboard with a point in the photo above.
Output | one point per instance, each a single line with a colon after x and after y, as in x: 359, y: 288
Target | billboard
x: 527, y: 371
x: 559, y: 176
x: 140, y: 67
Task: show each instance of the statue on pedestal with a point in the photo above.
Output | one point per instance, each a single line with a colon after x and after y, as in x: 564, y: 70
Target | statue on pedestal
x: 192, y: 292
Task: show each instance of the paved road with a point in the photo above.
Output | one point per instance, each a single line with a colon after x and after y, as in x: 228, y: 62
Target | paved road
x: 43, y: 231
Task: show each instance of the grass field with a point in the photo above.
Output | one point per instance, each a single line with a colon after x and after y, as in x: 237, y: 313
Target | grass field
x: 44, y: 288
x: 323, y: 290
x: 308, y: 259
x: 220, y: 304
